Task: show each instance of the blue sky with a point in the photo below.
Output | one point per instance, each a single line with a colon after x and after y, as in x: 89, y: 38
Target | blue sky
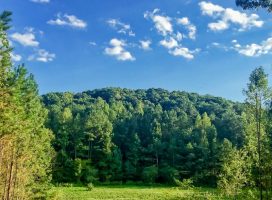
x: 208, y: 47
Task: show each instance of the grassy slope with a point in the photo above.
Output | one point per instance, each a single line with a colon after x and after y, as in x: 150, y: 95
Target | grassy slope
x: 134, y: 193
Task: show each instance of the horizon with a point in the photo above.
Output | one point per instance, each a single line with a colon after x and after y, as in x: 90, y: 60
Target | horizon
x: 177, y: 46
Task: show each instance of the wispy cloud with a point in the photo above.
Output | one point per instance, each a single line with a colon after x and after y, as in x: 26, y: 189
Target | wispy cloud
x: 228, y: 16
x: 15, y: 57
x: 117, y: 50
x: 121, y: 27
x: 42, y: 55
x: 40, y: 1
x: 254, y: 50
x: 68, y: 20
x: 92, y: 43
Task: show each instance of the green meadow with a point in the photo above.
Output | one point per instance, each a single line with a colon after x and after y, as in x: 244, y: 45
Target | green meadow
x: 135, y: 193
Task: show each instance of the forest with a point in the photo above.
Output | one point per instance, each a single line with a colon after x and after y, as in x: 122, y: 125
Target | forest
x: 119, y: 136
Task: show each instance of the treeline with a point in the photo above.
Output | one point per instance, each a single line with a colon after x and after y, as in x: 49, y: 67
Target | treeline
x: 150, y: 135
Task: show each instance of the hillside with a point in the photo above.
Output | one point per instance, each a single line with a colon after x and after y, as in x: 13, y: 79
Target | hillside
x: 152, y: 135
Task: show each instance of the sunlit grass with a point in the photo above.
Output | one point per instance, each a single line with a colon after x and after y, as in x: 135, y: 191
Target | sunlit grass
x: 135, y: 193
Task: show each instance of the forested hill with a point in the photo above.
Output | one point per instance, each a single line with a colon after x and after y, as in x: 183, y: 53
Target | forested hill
x: 115, y: 134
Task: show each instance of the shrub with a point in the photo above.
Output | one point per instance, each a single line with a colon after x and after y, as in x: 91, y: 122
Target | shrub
x: 168, y: 174
x: 90, y: 186
x: 185, y: 184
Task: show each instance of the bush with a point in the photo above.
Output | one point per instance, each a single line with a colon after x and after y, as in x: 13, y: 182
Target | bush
x: 89, y: 173
x: 90, y: 186
x: 168, y: 174
x: 185, y: 184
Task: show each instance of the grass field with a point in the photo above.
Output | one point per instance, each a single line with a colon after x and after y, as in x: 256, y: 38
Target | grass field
x: 135, y: 193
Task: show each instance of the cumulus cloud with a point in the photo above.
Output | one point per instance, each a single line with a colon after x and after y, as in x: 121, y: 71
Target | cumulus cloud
x: 169, y: 29
x: 184, y: 52
x: 15, y: 57
x: 42, y: 55
x: 118, y: 50
x: 162, y: 23
x: 40, y: 1
x: 189, y: 26
x: 254, y: 50
x: 26, y: 39
x: 68, y: 20
x: 121, y: 27
x: 227, y: 16
x: 169, y: 43
x: 145, y: 44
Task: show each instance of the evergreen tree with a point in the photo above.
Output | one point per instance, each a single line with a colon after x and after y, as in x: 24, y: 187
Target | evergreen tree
x: 25, y: 144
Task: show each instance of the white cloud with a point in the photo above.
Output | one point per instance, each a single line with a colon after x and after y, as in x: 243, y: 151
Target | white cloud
x: 172, y: 38
x: 218, y: 46
x: 228, y: 16
x: 218, y: 26
x: 183, y: 52
x: 215, y: 44
x: 192, y: 31
x: 121, y: 27
x: 42, y: 55
x: 189, y: 26
x: 92, y: 43
x: 169, y: 43
x: 183, y: 21
x: 162, y: 23
x: 68, y: 20
x: 179, y: 36
x: 15, y: 57
x: 210, y: 9
x: 117, y: 50
x: 40, y: 1
x: 145, y: 44
x: 254, y: 50
x: 26, y: 39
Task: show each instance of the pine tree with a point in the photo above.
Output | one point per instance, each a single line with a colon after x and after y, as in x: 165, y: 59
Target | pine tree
x: 25, y: 151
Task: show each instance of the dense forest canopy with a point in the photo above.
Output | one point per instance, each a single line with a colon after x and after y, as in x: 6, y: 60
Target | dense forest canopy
x: 115, y: 134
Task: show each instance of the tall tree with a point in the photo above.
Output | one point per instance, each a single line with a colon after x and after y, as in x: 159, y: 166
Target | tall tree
x: 258, y: 93
x: 25, y: 150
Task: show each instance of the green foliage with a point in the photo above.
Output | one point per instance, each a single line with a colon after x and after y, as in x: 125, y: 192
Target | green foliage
x: 120, y: 132
x: 254, y: 4
x: 135, y: 192
x: 150, y: 174
x: 26, y: 153
x: 90, y: 186
x: 234, y: 173
x: 185, y: 184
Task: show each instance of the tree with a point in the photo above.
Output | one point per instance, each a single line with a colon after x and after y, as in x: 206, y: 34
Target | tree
x: 233, y: 173
x: 251, y: 4
x: 25, y: 144
x: 98, y: 130
x: 258, y: 93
